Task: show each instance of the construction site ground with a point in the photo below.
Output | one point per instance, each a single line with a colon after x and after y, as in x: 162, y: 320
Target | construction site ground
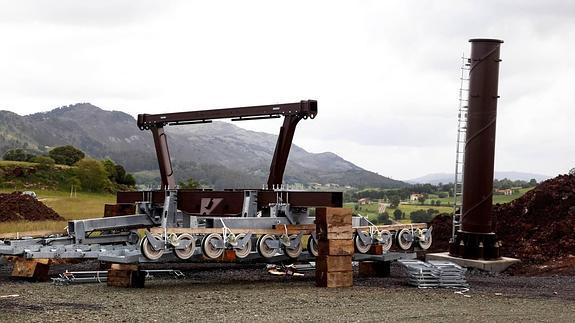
x: 249, y: 293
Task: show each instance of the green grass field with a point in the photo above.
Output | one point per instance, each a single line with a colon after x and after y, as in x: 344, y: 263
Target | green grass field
x: 371, y: 210
x: 83, y: 206
x: 496, y: 198
x: 508, y: 198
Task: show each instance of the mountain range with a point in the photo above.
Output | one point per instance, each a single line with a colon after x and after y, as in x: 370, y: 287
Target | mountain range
x: 219, y: 154
x: 448, y: 178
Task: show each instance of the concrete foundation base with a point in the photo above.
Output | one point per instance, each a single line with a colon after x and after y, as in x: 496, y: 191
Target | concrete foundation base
x: 495, y: 266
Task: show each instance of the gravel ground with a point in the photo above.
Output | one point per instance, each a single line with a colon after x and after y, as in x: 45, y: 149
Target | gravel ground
x: 250, y: 294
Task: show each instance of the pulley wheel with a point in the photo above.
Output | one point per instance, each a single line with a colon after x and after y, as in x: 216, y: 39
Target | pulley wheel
x: 148, y: 250
x: 294, y: 252
x: 312, y: 246
x: 188, y: 252
x: 403, y: 239
x: 245, y: 251
x: 387, y: 245
x: 263, y: 248
x: 360, y: 246
x: 425, y: 244
x: 208, y: 249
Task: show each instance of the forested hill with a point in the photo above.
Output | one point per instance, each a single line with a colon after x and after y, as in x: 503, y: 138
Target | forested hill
x: 219, y: 153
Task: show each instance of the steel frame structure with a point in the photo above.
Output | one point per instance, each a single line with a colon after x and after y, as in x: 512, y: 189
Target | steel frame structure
x: 174, y: 219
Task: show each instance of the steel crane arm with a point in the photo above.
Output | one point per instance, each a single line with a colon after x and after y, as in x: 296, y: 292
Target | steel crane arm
x: 293, y: 113
x: 303, y: 109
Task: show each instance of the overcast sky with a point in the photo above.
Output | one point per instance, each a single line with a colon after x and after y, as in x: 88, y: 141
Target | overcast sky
x: 385, y: 73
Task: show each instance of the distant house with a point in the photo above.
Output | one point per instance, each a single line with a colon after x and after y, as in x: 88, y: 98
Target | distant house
x: 414, y: 197
x: 504, y: 192
x: 363, y: 201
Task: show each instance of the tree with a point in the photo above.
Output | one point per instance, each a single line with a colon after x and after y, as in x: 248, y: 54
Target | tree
x: 397, y: 214
x: 190, y: 184
x: 422, y: 198
x: 92, y: 175
x: 66, y: 155
x: 110, y: 168
x: 383, y: 218
x: 129, y: 180
x: 420, y: 216
x: 394, y: 201
x: 44, y: 162
x: 532, y: 182
x: 120, y: 173
x: 18, y: 155
x: 438, y: 203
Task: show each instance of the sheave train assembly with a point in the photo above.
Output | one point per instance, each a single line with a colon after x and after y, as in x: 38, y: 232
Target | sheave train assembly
x: 260, y: 223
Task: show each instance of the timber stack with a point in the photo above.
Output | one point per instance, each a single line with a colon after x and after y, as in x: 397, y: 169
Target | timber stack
x: 335, y: 247
x: 126, y: 275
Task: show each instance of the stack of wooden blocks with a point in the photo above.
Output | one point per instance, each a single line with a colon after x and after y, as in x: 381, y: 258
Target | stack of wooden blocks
x: 126, y: 275
x: 31, y: 269
x: 335, y: 247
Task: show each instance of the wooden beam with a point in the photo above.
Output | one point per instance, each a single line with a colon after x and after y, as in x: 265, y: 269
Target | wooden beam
x: 34, y: 269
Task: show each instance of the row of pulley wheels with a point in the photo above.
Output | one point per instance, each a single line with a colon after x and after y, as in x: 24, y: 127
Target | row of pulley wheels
x: 210, y: 242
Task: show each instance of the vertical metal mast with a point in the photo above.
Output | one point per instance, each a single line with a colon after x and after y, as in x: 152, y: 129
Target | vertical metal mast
x: 476, y: 239
x: 460, y: 145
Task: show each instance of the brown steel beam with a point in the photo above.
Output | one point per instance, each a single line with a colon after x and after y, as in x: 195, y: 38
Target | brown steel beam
x: 281, y: 153
x: 307, y: 108
x: 163, y: 155
x: 190, y: 201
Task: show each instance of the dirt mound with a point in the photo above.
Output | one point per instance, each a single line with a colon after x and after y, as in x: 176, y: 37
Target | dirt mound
x: 442, y: 227
x: 18, y: 207
x: 540, y: 225
x: 538, y: 228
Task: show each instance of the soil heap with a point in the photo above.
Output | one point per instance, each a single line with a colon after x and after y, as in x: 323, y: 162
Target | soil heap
x: 22, y: 207
x: 441, y: 233
x: 537, y: 228
x: 540, y: 225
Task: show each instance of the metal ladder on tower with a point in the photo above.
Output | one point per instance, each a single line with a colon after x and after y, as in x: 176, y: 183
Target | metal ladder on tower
x: 460, y: 148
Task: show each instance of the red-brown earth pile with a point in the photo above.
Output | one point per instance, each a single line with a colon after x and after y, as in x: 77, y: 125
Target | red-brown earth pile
x: 540, y: 225
x: 22, y: 207
x: 537, y: 228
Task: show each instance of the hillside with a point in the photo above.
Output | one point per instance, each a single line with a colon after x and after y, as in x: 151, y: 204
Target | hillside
x: 219, y: 153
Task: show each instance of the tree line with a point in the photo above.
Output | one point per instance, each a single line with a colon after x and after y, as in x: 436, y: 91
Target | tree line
x: 85, y: 173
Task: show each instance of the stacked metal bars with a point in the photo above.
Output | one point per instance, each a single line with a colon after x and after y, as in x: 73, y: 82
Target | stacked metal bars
x: 434, y: 274
x: 101, y: 276
x: 451, y: 275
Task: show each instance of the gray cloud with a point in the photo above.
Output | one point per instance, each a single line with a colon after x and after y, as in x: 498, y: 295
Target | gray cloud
x: 385, y: 72
x: 100, y: 13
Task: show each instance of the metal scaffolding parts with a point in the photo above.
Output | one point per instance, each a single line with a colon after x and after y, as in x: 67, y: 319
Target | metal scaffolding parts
x: 434, y: 274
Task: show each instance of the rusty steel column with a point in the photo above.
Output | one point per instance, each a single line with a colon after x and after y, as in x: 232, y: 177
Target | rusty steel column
x: 476, y: 239
x: 163, y: 155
